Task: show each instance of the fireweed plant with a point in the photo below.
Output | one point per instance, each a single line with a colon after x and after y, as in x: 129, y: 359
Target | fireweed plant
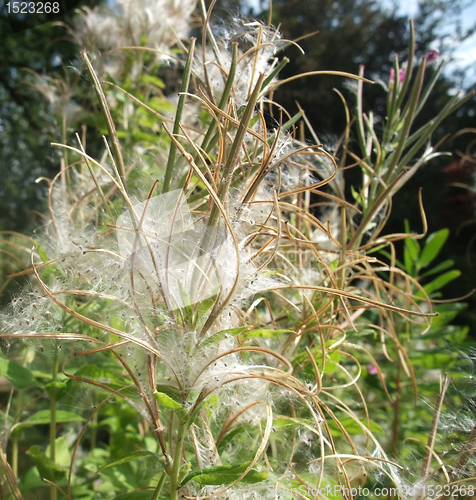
x: 233, y: 337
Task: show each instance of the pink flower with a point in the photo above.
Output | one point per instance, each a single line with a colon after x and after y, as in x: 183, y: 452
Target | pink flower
x: 432, y: 55
x: 401, y: 74
x: 372, y: 369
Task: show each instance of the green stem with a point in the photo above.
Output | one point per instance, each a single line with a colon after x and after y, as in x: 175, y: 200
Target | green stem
x: 408, y: 113
x: 235, y: 150
x: 396, y: 413
x: 16, y: 435
x: 374, y: 207
x: 272, y: 75
x: 53, y: 491
x: 116, y: 147
x: 359, y: 112
x: 94, y: 429
x: 223, y: 100
x: 178, y: 116
x: 15, y: 454
x: 159, y: 487
x: 64, y: 171
x: 174, y: 478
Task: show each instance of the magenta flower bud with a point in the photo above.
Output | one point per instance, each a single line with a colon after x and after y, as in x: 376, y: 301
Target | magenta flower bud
x: 432, y: 55
x: 401, y: 75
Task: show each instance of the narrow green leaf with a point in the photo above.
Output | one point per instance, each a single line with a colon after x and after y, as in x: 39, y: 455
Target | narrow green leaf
x: 443, y: 266
x: 128, y: 458
x: 116, y: 147
x: 447, y: 312
x: 272, y: 75
x: 19, y: 376
x: 235, y: 148
x: 413, y: 248
x: 441, y: 281
x: 208, y: 141
x: 203, y: 307
x: 224, y: 474
x: 433, y: 245
x: 234, y: 436
x: 178, y: 116
x: 408, y: 261
x: 41, y: 252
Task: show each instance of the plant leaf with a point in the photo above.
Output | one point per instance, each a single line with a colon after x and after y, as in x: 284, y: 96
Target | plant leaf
x: 57, y: 390
x: 353, y: 427
x: 154, y: 80
x: 433, y: 246
x: 443, y: 266
x: 19, y: 376
x: 224, y: 474
x: 219, y: 336
x: 101, y: 374
x: 135, y: 495
x: 440, y: 281
x: 263, y: 332
x: 168, y: 402
x: 46, y: 467
x: 127, y: 458
x: 41, y: 252
x: 170, y: 391
x: 413, y: 248
x: 44, y: 417
x: 447, y: 312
